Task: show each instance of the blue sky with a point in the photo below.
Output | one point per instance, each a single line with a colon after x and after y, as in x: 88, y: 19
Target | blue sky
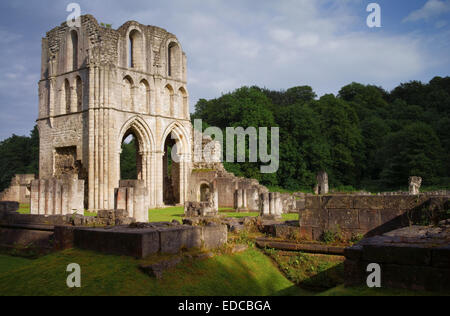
x: 229, y: 43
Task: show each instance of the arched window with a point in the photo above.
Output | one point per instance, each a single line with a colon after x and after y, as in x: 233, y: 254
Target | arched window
x: 79, y: 94
x: 144, y: 97
x: 127, y: 94
x: 169, y: 101
x: 67, y: 95
x: 174, y: 60
x: 72, y: 51
x: 135, y: 49
x: 184, y: 103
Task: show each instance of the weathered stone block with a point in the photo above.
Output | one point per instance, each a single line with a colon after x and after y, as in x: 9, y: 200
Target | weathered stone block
x: 369, y: 219
x: 368, y: 202
x: 398, y: 254
x: 313, y: 202
x: 214, y: 236
x: 314, y: 218
x: 337, y: 202
x: 346, y: 219
x: 173, y: 240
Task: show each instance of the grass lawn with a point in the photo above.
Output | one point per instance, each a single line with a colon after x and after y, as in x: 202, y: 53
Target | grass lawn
x: 248, y: 273
x: 24, y: 209
x: 177, y: 213
x: 310, y: 271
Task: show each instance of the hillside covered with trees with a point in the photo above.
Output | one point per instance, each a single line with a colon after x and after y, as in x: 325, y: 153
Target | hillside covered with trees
x: 364, y: 137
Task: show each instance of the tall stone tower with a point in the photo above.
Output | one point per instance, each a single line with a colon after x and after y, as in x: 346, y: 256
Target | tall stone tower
x: 98, y: 86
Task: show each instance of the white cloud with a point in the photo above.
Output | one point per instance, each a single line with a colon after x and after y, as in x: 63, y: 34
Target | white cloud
x: 431, y: 9
x: 229, y: 43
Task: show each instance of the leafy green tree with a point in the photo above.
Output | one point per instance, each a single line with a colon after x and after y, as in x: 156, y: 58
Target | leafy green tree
x: 413, y: 151
x: 128, y: 167
x: 18, y: 155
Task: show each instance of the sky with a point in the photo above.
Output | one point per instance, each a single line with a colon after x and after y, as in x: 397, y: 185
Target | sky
x: 276, y: 44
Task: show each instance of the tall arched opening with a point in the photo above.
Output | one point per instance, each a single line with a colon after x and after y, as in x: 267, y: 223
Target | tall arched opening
x: 130, y: 157
x: 171, y: 172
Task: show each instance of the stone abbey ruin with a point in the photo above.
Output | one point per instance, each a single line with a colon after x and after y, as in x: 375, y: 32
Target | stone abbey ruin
x: 99, y: 86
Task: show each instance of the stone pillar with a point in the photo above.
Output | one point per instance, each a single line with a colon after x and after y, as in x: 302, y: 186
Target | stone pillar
x: 121, y: 199
x: 244, y: 199
x: 58, y: 197
x: 215, y: 196
x: 272, y: 203
x: 238, y: 199
x: 34, y: 207
x: 130, y: 202
x: 322, y: 182
x: 65, y: 196
x: 42, y: 197
x: 414, y: 185
x: 264, y: 204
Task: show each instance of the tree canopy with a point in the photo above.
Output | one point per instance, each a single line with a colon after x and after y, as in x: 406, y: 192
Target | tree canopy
x: 364, y: 137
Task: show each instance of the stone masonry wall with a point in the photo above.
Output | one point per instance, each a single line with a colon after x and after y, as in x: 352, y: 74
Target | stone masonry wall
x: 366, y: 215
x: 19, y: 190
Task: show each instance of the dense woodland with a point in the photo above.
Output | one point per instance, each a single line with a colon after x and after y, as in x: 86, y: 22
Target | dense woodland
x: 365, y: 137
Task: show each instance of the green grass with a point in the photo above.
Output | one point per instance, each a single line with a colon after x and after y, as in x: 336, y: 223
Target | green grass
x: 175, y: 213
x: 248, y: 273
x: 310, y: 271
x: 8, y: 263
x: 167, y: 214
x: 24, y: 209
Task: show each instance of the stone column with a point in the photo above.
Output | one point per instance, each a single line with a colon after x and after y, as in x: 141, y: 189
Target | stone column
x: 414, y: 185
x: 34, y: 207
x: 42, y: 188
x: 264, y: 204
x: 322, y: 181
x: 130, y: 202
x: 238, y: 199
x: 244, y: 199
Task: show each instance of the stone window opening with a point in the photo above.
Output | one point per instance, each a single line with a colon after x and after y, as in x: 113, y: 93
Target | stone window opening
x: 127, y: 94
x: 169, y: 95
x: 79, y: 94
x: 72, y: 51
x: 144, y: 96
x: 173, y: 60
x: 135, y: 49
x: 67, y: 96
x: 184, y: 101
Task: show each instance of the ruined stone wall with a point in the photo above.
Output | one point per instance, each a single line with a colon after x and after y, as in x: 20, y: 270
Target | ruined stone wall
x: 228, y: 187
x: 57, y: 196
x: 351, y: 215
x: 132, y: 196
x: 91, y: 97
x: 19, y: 190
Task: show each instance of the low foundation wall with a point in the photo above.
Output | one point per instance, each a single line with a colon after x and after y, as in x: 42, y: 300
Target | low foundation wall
x: 143, y: 242
x: 9, y: 206
x: 366, y: 215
